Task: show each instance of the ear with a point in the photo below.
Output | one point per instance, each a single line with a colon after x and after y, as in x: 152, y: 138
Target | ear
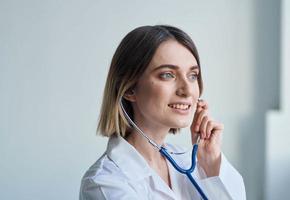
x: 130, y: 95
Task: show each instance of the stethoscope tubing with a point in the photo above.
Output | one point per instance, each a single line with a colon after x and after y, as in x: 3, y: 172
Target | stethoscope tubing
x: 184, y: 171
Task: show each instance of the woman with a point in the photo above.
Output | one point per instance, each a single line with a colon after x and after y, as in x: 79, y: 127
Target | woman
x: 156, y: 74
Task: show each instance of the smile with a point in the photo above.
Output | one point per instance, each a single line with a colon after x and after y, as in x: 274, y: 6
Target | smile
x: 179, y: 106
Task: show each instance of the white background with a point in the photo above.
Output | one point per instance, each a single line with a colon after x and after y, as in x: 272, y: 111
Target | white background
x: 54, y: 58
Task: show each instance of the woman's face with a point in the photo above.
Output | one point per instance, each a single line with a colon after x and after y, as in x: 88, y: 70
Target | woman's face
x: 166, y: 94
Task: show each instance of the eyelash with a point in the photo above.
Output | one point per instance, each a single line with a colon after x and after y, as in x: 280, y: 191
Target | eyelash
x: 164, y: 76
x: 194, y: 75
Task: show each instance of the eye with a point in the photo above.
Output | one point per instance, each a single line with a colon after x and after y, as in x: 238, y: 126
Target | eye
x: 167, y: 75
x: 193, y: 76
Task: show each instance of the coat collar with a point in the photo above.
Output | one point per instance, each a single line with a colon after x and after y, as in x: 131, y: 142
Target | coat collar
x: 126, y: 157
x: 134, y: 166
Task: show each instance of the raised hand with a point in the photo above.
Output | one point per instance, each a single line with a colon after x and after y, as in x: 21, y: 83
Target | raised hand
x: 210, y: 132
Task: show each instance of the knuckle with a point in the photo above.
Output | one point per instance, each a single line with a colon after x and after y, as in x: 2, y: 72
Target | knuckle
x: 210, y: 123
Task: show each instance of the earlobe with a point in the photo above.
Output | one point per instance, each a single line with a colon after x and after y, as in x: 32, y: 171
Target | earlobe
x: 130, y: 95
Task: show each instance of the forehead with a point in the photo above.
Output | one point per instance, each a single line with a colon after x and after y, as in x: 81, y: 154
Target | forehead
x: 172, y: 52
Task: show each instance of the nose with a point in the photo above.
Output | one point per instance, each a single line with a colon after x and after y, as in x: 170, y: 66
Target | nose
x: 185, y: 88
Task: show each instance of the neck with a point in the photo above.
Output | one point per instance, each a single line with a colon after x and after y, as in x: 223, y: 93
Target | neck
x: 154, y: 159
x: 141, y: 144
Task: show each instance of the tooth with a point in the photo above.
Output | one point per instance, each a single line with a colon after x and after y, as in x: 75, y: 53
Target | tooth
x: 179, y: 106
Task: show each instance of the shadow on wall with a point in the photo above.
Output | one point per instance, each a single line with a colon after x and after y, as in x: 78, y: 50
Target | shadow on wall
x: 266, y: 97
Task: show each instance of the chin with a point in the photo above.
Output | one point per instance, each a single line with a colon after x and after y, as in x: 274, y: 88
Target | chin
x: 181, y: 124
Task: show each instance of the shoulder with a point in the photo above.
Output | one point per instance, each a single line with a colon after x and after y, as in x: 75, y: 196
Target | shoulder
x: 102, y: 169
x: 102, y: 180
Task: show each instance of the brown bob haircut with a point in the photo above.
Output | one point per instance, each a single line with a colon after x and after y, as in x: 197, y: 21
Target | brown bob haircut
x: 130, y: 60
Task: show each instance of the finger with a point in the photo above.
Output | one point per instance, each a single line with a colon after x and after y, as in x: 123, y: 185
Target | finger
x: 216, y: 137
x: 196, y: 114
x: 194, y: 129
x: 199, y: 119
x: 216, y: 133
x: 212, y: 125
x: 194, y: 137
x: 202, y: 103
x: 202, y: 128
x: 209, y: 128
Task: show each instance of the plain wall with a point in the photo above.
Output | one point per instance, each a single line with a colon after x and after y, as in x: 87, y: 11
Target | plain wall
x: 277, y: 174
x: 54, y: 58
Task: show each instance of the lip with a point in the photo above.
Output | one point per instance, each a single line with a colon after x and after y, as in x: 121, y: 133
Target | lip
x: 180, y: 111
x: 182, y: 102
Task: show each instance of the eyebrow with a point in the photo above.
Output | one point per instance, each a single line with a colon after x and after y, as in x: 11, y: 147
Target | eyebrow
x: 174, y: 67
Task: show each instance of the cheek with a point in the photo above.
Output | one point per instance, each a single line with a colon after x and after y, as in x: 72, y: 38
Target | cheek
x: 149, y: 91
x: 158, y: 90
x: 162, y: 92
x: 198, y: 92
x: 156, y: 95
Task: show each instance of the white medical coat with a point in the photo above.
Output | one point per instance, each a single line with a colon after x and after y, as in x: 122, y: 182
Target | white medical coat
x: 122, y: 173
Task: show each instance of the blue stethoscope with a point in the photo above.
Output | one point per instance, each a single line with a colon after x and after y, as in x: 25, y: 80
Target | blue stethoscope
x: 167, y: 155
